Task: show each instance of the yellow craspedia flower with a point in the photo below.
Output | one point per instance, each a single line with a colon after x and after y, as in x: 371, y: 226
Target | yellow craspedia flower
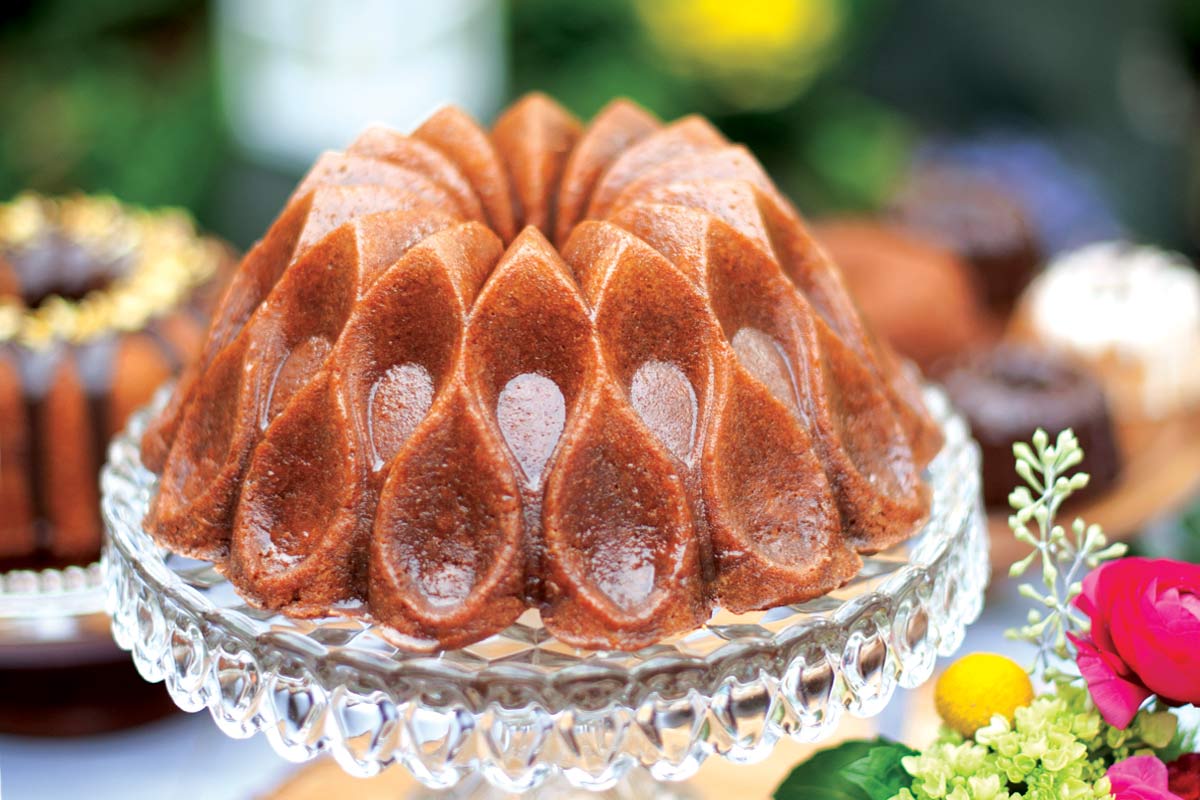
x: 756, y: 51
x: 978, y: 686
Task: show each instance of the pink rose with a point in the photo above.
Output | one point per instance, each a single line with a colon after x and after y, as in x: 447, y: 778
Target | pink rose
x: 1140, y: 778
x: 1145, y: 636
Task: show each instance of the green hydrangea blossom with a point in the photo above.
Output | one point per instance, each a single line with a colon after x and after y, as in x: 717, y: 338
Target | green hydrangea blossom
x: 955, y: 770
x: 1056, y: 748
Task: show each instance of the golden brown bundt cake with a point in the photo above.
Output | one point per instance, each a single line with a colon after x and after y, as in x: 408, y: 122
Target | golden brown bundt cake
x: 96, y: 310
x: 412, y: 400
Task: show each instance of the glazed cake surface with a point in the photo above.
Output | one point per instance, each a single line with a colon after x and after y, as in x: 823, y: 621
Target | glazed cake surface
x: 599, y: 371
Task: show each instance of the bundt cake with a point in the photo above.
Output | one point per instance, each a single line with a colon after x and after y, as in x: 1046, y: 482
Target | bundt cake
x: 978, y: 220
x: 97, y: 307
x: 913, y: 292
x: 410, y: 399
x: 1007, y: 391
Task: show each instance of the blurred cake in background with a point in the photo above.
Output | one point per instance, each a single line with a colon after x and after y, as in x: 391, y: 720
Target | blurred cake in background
x: 1132, y: 313
x: 977, y: 220
x: 99, y: 304
x: 1008, y: 391
x: 1063, y: 203
x: 915, y: 293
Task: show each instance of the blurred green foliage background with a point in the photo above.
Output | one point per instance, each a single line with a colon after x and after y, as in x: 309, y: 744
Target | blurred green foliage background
x: 834, y: 95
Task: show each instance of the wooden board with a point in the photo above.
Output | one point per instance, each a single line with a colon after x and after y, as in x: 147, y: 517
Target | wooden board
x: 1161, y: 474
x: 718, y: 779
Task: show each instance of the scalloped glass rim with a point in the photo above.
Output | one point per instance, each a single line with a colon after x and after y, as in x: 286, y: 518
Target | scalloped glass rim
x: 69, y: 591
x: 520, y: 706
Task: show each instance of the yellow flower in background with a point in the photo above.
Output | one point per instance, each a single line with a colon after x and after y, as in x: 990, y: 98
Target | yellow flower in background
x: 757, y: 52
x: 978, y: 686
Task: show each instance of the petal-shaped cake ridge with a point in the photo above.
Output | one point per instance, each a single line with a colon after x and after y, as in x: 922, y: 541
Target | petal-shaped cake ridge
x: 864, y: 450
x: 296, y: 539
x: 411, y: 400
x: 302, y: 529
x: 346, y: 169
x: 303, y: 223
x: 286, y: 340
x: 729, y: 162
x: 248, y: 286
x: 657, y: 338
x: 733, y: 201
x: 773, y: 520
x: 530, y: 357
x: 452, y: 131
x: 423, y: 158
x: 622, y: 562
x: 448, y: 548
x: 676, y: 227
x: 619, y: 125
x: 688, y: 135
x: 814, y: 274
x: 639, y: 573
x: 785, y: 345
x: 401, y: 347
x: 534, y: 138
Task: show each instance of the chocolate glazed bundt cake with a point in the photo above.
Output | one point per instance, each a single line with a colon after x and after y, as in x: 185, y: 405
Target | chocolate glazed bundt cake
x: 99, y: 304
x: 411, y: 399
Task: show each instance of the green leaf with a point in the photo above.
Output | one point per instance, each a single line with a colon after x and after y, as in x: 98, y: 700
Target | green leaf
x: 860, y: 769
x: 880, y: 773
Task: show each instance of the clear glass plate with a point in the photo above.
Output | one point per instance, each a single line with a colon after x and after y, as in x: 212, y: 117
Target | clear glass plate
x: 520, y: 707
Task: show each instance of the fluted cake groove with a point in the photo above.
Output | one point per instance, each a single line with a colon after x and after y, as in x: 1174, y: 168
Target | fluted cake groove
x: 411, y: 399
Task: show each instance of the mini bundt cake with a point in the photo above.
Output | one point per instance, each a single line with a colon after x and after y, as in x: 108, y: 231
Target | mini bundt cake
x: 1008, y: 391
x: 98, y: 305
x: 411, y: 399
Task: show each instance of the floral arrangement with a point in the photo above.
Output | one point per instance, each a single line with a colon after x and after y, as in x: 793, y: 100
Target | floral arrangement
x: 1117, y: 653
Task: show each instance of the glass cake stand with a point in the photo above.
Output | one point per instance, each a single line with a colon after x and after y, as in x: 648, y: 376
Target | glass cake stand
x: 520, y: 708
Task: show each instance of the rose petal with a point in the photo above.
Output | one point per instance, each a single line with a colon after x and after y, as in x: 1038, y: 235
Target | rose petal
x: 1140, y: 778
x: 1191, y: 603
x: 1148, y: 770
x: 1178, y: 613
x: 1116, y: 698
x: 1099, y: 590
